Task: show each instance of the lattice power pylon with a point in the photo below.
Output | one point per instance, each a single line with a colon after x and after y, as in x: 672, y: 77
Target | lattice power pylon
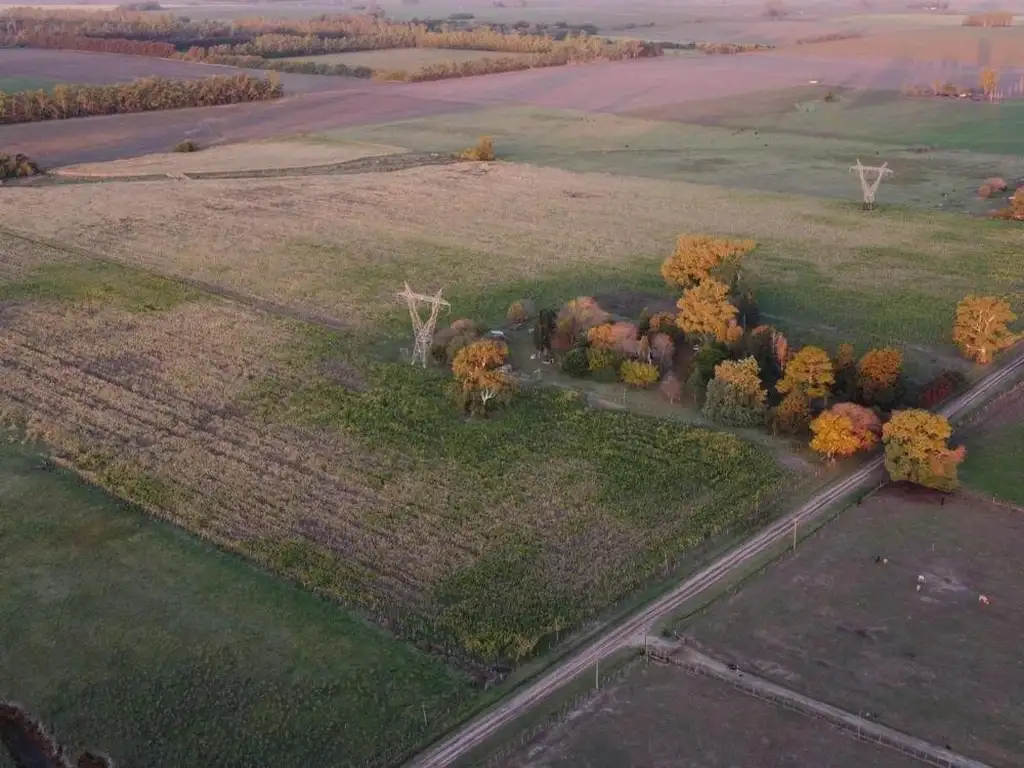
x: 423, y: 330
x: 870, y: 179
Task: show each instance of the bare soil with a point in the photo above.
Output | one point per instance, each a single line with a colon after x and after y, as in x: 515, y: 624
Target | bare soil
x: 660, y: 716
x: 906, y: 641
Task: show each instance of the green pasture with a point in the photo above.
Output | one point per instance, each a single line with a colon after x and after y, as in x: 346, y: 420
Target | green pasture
x: 743, y: 158
x: 995, y: 462
x: 14, y: 83
x: 128, y: 636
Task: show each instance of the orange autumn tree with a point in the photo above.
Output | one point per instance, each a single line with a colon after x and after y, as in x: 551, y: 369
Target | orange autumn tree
x: 916, y: 449
x: 478, y: 382
x: 866, y: 424
x: 809, y: 372
x: 981, y: 327
x: 698, y: 257
x: 878, y: 375
x: 705, y: 311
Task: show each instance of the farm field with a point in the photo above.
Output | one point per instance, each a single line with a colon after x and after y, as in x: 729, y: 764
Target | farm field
x: 660, y: 715
x: 403, y: 58
x: 982, y: 46
x: 292, y: 153
x: 744, y: 157
x: 129, y: 637
x: 293, y: 446
x: 11, y: 83
x: 84, y: 68
x: 935, y: 662
x: 560, y: 234
x: 995, y: 449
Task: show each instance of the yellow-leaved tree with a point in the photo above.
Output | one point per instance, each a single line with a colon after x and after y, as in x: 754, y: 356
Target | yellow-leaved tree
x: 698, y: 257
x: 982, y: 327
x: 809, y: 372
x: 989, y: 81
x: 916, y: 449
x: 833, y: 435
x: 705, y: 311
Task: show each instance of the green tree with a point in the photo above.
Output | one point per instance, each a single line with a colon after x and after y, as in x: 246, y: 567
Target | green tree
x: 735, y: 395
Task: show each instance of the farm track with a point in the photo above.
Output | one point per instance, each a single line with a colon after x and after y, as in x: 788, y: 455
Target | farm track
x: 478, y: 730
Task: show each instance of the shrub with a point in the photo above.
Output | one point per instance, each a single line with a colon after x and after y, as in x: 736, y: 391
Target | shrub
x: 638, y: 374
x: 940, y: 388
x: 576, y: 362
x: 186, y: 146
x: 519, y: 312
x: 991, y: 187
x: 483, y: 151
x: 989, y: 19
x: 599, y: 359
x: 17, y: 167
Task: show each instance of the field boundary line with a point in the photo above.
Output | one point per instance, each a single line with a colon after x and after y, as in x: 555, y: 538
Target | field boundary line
x: 861, y: 728
x: 478, y: 729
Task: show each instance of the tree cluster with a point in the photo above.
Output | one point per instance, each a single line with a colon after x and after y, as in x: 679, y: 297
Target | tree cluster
x: 147, y: 94
x: 17, y: 166
x: 989, y: 19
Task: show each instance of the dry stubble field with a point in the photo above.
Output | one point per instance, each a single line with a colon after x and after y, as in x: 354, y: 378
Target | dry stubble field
x: 934, y: 662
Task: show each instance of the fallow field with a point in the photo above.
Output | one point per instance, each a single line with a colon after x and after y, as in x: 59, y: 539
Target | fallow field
x: 402, y: 58
x: 881, y: 613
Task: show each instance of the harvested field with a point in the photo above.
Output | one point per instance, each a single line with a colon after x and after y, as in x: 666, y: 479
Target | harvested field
x: 662, y: 716
x: 560, y: 234
x: 234, y: 157
x: 977, y: 46
x: 129, y: 637
x: 84, y: 68
x: 907, y: 640
x: 284, y: 443
x: 619, y: 87
x: 409, y: 59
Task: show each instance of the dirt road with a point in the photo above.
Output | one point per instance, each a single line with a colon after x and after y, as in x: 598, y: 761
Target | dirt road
x: 478, y: 730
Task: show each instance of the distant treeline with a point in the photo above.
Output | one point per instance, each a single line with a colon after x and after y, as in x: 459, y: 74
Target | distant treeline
x: 714, y: 48
x: 990, y: 19
x: 147, y: 94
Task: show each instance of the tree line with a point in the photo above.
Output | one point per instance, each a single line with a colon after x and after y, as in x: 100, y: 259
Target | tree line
x: 143, y: 95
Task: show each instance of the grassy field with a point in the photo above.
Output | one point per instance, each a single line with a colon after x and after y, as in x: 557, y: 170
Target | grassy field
x: 880, y: 117
x: 560, y: 234
x: 130, y: 637
x: 402, y: 58
x: 797, y: 158
x: 291, y: 445
x: 660, y: 715
x: 995, y: 449
x: 931, y: 661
